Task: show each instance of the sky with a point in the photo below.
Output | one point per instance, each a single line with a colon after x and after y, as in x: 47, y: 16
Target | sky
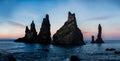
x: 16, y: 14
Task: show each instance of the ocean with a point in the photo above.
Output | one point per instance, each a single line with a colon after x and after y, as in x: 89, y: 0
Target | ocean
x: 39, y: 52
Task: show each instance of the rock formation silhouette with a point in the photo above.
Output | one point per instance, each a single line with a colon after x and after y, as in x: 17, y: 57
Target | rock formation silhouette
x: 93, y: 41
x: 44, y: 35
x: 33, y: 34
x: 30, y: 35
x: 99, y: 38
x: 69, y: 33
x: 27, y: 32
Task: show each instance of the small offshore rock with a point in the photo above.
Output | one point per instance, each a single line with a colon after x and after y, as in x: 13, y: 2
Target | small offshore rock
x: 74, y: 58
x: 11, y: 58
x: 117, y: 52
x: 110, y: 49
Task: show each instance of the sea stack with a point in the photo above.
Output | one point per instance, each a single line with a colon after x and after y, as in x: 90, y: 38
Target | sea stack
x: 99, y: 38
x: 30, y: 34
x: 44, y: 35
x: 69, y: 33
x: 93, y: 41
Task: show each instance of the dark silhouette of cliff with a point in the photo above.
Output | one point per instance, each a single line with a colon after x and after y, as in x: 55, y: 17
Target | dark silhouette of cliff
x: 69, y: 33
x: 44, y: 35
x: 99, y: 36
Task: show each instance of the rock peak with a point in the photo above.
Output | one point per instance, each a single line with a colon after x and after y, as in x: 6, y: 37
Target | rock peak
x: 47, y: 16
x: 33, y: 29
x: 32, y: 21
x: 71, y: 17
x: 27, y: 29
x: 99, y: 26
x: 69, y: 13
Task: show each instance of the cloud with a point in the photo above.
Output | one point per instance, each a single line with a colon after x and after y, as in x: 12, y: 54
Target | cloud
x: 15, y: 24
x: 102, y: 17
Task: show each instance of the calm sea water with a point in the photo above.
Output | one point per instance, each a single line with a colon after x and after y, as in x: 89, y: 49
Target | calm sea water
x: 38, y: 52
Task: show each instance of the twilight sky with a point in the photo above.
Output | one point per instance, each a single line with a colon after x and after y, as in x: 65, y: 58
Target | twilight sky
x: 16, y: 14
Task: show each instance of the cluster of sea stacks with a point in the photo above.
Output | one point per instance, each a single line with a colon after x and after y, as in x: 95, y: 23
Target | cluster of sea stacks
x: 44, y: 35
x: 68, y: 34
x: 99, y: 38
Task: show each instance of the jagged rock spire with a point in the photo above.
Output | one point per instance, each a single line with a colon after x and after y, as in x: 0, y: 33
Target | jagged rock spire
x: 47, y: 16
x: 31, y: 35
x: 72, y: 18
x: 69, y: 33
x: 27, y: 30
x: 44, y: 35
x: 33, y: 29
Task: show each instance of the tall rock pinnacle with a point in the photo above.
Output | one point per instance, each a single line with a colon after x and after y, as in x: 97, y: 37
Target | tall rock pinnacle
x: 44, y: 35
x: 69, y: 33
x: 99, y: 38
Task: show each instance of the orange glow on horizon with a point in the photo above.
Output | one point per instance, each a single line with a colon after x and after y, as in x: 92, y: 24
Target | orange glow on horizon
x: 19, y: 32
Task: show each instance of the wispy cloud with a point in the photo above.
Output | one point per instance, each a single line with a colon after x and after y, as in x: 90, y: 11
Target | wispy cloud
x: 15, y: 24
x: 102, y: 17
